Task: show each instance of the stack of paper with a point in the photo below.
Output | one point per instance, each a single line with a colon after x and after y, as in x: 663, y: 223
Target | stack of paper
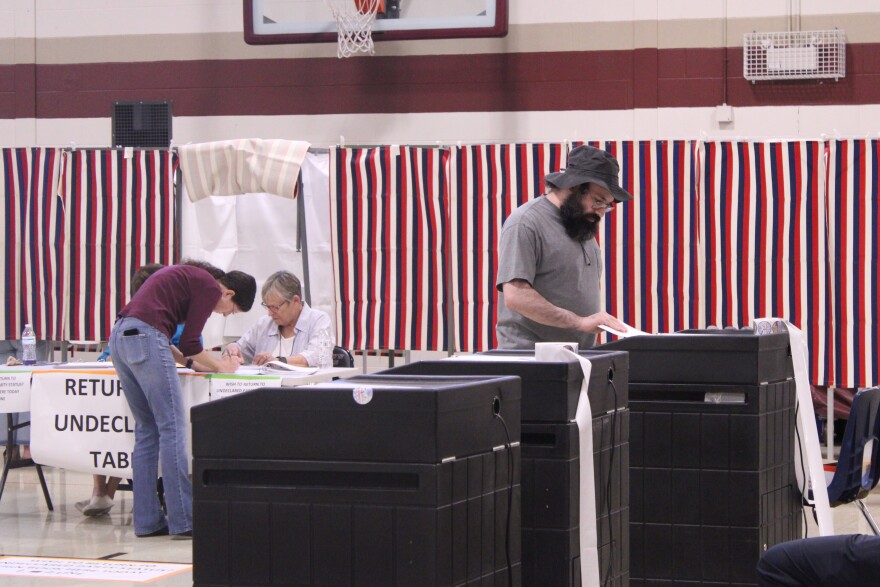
x: 630, y: 331
x: 279, y: 367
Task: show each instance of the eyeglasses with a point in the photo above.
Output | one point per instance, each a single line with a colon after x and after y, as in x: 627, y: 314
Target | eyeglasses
x: 600, y: 205
x: 272, y: 308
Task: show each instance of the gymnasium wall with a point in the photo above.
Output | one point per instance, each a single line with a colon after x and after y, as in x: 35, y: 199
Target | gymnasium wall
x: 636, y: 69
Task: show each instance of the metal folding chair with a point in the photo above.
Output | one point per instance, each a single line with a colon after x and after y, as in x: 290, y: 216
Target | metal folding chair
x: 856, y: 471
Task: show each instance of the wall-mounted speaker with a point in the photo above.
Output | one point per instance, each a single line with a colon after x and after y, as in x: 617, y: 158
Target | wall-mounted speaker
x: 143, y: 124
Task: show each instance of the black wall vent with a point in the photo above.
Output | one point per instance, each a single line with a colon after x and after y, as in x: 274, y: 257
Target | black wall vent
x: 142, y: 124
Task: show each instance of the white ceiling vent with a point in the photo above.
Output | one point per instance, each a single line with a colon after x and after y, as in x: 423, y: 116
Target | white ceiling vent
x: 794, y: 55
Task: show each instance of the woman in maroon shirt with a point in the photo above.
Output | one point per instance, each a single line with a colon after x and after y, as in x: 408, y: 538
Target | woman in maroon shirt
x: 146, y: 362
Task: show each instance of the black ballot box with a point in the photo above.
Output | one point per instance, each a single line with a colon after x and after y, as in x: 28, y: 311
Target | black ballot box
x: 712, y: 478
x: 376, y: 480
x: 551, y: 458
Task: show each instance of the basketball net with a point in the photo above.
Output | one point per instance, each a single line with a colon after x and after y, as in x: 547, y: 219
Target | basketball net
x: 354, y: 25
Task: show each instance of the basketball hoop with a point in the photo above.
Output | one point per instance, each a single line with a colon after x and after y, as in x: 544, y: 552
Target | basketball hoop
x: 354, y: 25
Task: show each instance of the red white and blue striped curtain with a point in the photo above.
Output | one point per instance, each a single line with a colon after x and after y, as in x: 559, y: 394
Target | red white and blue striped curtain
x: 388, y: 209
x: 853, y: 167
x: 719, y: 233
x: 120, y: 215
x: 32, y: 241
x: 651, y: 243
x: 488, y: 183
x: 764, y: 225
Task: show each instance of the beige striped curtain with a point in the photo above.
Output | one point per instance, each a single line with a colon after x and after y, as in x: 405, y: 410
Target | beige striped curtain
x: 243, y: 166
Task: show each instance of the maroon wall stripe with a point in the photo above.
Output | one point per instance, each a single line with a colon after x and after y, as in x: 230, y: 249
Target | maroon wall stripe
x: 18, y: 91
x: 499, y: 82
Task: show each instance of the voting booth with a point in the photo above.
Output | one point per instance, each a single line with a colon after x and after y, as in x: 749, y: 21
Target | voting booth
x: 712, y: 472
x: 551, y: 458
x: 373, y: 480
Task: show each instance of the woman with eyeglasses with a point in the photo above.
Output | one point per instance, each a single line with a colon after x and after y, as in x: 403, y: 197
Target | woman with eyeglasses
x: 291, y: 331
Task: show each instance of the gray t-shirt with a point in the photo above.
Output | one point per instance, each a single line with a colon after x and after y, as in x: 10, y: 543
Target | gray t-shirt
x: 535, y: 247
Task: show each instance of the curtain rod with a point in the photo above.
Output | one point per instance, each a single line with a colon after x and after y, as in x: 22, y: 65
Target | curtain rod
x: 77, y: 148
x: 174, y: 149
x: 705, y: 137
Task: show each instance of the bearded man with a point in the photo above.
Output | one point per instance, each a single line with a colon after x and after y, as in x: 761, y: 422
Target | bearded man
x: 549, y: 263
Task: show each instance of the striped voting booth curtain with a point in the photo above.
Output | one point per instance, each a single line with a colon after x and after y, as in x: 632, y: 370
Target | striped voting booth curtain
x: 388, y: 210
x: 120, y: 215
x: 651, y: 244
x: 32, y: 243
x: 487, y: 183
x: 853, y: 208
x: 764, y: 227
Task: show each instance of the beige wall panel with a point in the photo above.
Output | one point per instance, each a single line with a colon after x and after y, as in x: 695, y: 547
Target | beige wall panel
x: 670, y: 123
x: 540, y: 37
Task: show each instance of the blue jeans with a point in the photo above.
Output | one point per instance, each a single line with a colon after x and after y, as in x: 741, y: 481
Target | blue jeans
x: 143, y: 361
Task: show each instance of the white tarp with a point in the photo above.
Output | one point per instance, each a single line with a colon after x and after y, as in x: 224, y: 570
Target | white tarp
x: 256, y: 233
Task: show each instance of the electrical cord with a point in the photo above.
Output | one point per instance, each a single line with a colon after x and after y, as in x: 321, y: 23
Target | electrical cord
x: 803, y: 487
x: 497, y: 411
x: 614, y: 415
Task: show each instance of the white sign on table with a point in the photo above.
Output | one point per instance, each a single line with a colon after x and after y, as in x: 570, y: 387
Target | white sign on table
x: 15, y: 391
x: 223, y: 385
x: 81, y: 421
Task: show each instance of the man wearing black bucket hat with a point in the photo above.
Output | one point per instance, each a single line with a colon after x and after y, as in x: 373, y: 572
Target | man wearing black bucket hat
x: 549, y: 263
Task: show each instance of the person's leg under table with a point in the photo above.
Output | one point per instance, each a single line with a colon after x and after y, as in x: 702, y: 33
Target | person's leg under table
x: 851, y: 560
x: 101, y: 500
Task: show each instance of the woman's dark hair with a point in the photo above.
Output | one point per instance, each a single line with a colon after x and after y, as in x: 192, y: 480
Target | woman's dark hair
x: 244, y: 285
x: 141, y: 275
x: 215, y: 272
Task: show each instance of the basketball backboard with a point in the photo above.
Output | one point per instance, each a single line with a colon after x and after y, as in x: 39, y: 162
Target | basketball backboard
x: 269, y: 22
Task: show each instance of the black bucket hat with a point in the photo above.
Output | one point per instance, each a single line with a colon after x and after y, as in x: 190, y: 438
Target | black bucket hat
x: 590, y: 165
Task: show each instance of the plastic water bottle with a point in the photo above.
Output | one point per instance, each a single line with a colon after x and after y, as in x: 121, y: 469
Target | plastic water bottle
x: 28, y: 346
x: 325, y: 349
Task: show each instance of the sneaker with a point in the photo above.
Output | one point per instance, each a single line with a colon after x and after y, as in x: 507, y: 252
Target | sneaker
x: 81, y: 505
x: 98, y: 506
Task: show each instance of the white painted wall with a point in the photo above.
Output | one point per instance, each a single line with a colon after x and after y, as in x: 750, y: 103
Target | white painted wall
x: 89, y: 18
x: 809, y: 122
x: 95, y: 18
x: 20, y: 20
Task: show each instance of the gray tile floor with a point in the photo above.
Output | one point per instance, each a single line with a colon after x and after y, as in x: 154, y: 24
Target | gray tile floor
x: 27, y: 528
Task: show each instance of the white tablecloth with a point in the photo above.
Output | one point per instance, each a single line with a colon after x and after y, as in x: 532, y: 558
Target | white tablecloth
x: 81, y: 421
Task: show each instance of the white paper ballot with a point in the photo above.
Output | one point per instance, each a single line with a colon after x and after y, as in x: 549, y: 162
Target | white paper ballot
x: 630, y: 331
x: 84, y: 365
x: 278, y: 366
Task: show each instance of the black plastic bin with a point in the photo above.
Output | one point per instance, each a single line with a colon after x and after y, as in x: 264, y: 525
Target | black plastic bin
x: 551, y: 459
x: 712, y: 475
x: 377, y: 480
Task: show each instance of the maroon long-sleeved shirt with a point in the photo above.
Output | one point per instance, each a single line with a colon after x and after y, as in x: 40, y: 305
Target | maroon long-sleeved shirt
x: 179, y: 294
